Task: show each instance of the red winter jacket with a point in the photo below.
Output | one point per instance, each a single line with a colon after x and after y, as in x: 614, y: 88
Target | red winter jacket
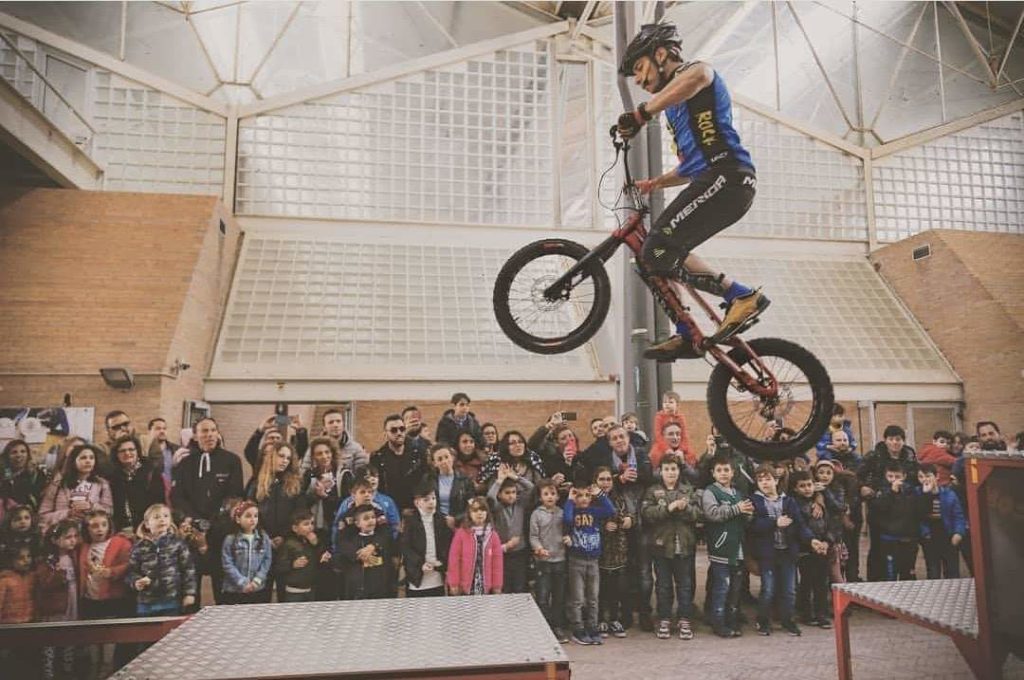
x: 113, y: 587
x: 462, y: 558
x: 658, y: 448
x: 941, y: 458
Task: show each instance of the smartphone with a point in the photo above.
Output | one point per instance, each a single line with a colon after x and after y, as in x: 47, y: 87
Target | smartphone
x: 568, y: 415
x: 186, y: 436
x: 281, y: 419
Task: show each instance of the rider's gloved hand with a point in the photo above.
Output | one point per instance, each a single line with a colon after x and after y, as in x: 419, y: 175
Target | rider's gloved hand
x: 630, y: 122
x: 645, y: 186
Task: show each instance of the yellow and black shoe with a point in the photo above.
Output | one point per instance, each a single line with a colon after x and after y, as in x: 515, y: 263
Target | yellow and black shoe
x: 740, y: 313
x: 676, y: 347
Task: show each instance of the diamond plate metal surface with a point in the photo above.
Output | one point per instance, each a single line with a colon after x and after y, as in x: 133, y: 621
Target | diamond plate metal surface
x: 997, y: 455
x: 350, y: 638
x: 949, y: 603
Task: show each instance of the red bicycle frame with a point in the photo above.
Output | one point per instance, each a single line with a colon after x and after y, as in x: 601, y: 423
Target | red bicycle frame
x: 633, y: 233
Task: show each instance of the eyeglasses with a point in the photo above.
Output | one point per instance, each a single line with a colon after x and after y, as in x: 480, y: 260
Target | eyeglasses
x: 396, y: 430
x: 121, y: 426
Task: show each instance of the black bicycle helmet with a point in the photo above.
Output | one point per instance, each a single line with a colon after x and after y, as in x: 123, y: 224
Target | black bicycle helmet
x: 650, y: 38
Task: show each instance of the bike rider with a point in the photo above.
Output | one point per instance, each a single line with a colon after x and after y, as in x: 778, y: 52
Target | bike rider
x: 712, y: 162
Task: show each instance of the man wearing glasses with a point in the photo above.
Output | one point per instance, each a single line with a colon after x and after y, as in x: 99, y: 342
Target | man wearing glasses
x: 119, y: 424
x: 400, y: 465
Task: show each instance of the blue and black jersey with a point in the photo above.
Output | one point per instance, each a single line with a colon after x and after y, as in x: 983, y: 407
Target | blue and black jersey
x: 702, y: 130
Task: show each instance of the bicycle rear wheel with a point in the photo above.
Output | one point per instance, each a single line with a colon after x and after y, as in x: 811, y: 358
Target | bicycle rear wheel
x: 804, y: 400
x: 556, y: 324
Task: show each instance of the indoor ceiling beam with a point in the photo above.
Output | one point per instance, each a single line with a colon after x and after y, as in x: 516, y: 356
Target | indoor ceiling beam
x: 531, y: 11
x: 899, y: 65
x: 1009, y: 45
x: 954, y: 126
x: 976, y: 47
x: 112, y: 64
x: 714, y: 42
x: 584, y: 16
x: 438, y: 25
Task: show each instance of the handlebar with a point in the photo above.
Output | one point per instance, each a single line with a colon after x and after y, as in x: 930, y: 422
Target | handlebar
x: 621, y: 145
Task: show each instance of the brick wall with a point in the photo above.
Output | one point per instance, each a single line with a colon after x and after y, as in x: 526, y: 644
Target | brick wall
x: 967, y: 295
x: 94, y: 279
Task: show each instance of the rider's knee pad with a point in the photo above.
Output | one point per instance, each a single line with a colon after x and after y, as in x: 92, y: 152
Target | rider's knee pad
x: 659, y: 259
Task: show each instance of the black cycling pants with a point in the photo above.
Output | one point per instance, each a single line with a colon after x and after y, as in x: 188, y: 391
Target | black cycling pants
x: 716, y: 199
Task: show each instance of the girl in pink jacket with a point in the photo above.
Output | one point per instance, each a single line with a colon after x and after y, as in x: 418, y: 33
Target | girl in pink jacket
x: 79, y: 489
x: 475, y: 561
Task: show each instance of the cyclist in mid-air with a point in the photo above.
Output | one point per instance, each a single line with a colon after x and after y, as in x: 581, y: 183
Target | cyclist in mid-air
x: 712, y: 162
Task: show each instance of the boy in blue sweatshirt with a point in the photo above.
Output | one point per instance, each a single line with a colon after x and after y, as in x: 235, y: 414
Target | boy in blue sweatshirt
x: 943, y: 527
x: 586, y: 508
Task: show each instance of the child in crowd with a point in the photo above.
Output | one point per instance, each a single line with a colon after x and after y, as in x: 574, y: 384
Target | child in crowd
x: 20, y: 529
x: 840, y: 451
x: 937, y: 453
x: 220, y: 528
x: 897, y: 514
x: 364, y: 553
x: 57, y: 591
x: 584, y: 512
x: 17, y: 586
x: 475, y: 560
x: 298, y: 561
x: 246, y: 556
x: 813, y: 563
x: 669, y: 413
x: 509, y: 495
x: 612, y: 597
x: 365, y: 491
x: 631, y: 422
x: 547, y: 541
x: 836, y: 489
x: 161, y: 569
x: 777, y: 531
x: 671, y: 508
x: 726, y: 513
x: 943, y: 527
x: 425, y: 544
x: 102, y: 565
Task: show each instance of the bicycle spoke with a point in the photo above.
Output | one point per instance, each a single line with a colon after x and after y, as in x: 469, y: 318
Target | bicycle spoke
x: 543, y: 318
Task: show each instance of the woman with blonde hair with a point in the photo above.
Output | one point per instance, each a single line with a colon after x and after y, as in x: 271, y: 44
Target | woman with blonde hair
x: 277, y: 491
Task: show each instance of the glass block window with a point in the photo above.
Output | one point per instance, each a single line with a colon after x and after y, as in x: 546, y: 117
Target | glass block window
x: 466, y: 143
x: 150, y: 141
x: 805, y: 188
x: 839, y: 309
x: 972, y: 180
x: 15, y: 70
x: 325, y: 303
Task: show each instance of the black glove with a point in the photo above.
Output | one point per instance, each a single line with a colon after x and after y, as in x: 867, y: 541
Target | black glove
x: 629, y: 124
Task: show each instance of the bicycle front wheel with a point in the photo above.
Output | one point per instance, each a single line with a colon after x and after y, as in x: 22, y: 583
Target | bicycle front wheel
x: 803, y: 402
x: 551, y: 324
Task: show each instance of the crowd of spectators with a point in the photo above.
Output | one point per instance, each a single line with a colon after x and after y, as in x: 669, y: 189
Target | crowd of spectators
x: 605, y: 535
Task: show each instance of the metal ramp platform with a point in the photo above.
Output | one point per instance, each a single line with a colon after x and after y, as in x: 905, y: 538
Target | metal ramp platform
x: 423, y: 638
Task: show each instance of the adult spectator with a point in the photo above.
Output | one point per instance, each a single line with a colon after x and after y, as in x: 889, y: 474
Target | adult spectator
x: 325, y: 483
x: 672, y: 435
x: 270, y: 433
x: 206, y: 477
x: 470, y: 460
x: 118, y: 424
x: 840, y: 451
x: 458, y: 419
x: 79, y: 490
x: 490, y: 434
x: 871, y: 477
x: 453, y: 490
x: 21, y: 482
x: 558, y: 446
x: 401, y: 467
x: 351, y: 454
x: 838, y: 422
x: 161, y: 449
x: 135, y: 483
x: 599, y: 449
x: 417, y: 434
x: 990, y: 436
x: 512, y: 451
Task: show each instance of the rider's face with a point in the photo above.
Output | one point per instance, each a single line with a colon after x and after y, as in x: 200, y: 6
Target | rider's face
x: 645, y: 73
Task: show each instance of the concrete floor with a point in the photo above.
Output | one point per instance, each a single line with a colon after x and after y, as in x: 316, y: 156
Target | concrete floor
x: 882, y: 648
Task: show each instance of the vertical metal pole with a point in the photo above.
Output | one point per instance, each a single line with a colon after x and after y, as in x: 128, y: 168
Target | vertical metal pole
x: 639, y: 377
x: 124, y: 29
x: 938, y: 55
x: 856, y: 75
x: 555, y: 92
x: 663, y: 372
x: 775, y: 48
x: 868, y: 165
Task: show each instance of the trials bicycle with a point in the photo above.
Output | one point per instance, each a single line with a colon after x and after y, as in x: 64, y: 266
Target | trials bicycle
x: 552, y: 295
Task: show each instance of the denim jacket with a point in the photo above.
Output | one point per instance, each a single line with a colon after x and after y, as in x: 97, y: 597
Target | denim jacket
x: 245, y: 561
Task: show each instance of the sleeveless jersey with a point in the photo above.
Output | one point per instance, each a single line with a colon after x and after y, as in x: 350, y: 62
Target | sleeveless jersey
x: 702, y: 131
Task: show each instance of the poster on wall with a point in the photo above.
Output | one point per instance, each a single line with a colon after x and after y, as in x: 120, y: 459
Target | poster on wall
x: 44, y: 428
